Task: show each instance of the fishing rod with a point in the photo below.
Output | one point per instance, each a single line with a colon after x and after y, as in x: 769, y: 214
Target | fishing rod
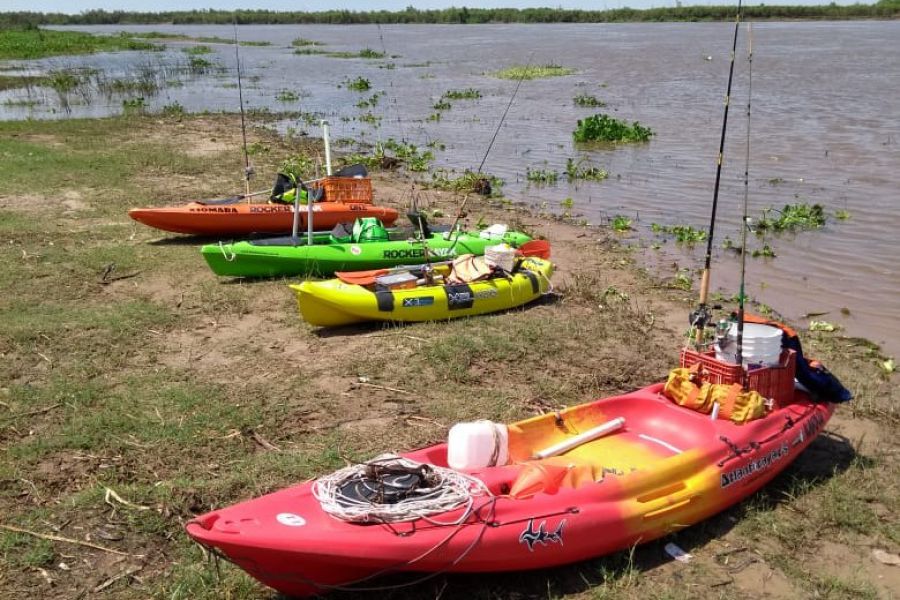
x: 745, y: 219
x: 700, y: 317
x: 248, y: 169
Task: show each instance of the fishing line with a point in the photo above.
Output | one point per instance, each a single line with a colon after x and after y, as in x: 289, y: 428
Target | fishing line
x: 248, y: 170
x: 505, y: 112
x: 701, y: 316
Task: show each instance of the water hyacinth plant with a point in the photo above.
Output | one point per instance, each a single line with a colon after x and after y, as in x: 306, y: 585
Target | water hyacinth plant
x: 528, y: 72
x: 603, y: 128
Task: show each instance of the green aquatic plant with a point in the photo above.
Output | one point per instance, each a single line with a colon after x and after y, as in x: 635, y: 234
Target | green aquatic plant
x: 583, y: 169
x: 198, y: 64
x: 360, y: 84
x: 684, y: 234
x: 132, y: 106
x: 369, y: 53
x: 792, y: 217
x: 369, y: 118
x: 196, y: 50
x: 841, y: 215
x: 173, y: 110
x: 24, y: 43
x: 442, y: 105
x: 588, y: 100
x: 541, y: 176
x: 765, y: 252
x: 308, y: 51
x: 468, y: 182
x: 304, y: 42
x: 533, y: 72
x: 466, y: 94
x: 287, y: 96
x: 621, y: 223
x: 603, y: 128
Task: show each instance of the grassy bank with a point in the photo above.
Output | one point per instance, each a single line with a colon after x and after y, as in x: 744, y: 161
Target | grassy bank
x: 32, y: 42
x: 138, y: 390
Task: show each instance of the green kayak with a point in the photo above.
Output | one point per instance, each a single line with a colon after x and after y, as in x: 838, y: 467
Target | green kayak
x: 367, y: 246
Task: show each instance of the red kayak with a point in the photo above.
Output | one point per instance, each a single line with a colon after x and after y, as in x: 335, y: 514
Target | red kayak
x: 241, y: 217
x: 658, y: 468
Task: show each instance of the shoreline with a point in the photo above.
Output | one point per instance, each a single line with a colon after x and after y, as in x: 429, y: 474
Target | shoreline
x: 119, y: 341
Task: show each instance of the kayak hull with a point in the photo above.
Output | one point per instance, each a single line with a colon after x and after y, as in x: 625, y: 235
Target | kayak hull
x: 245, y: 218
x: 334, y: 303
x: 667, y: 469
x: 284, y: 258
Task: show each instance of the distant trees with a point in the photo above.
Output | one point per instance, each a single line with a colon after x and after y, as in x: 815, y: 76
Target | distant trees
x: 883, y: 9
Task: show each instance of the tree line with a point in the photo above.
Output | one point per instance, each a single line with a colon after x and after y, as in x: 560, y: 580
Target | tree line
x: 884, y: 9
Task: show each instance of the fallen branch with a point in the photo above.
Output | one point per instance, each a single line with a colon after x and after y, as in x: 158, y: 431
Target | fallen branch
x: 126, y: 573
x: 382, y: 387
x: 32, y: 413
x: 261, y: 440
x: 65, y: 540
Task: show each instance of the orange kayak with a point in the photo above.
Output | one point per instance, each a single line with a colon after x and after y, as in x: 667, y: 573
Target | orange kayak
x: 241, y: 217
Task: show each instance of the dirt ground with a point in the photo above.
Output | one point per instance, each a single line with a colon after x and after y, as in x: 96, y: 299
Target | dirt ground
x: 138, y: 390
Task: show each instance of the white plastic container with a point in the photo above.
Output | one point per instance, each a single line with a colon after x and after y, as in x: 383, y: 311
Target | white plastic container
x: 501, y: 255
x: 762, y: 345
x: 494, y: 232
x: 477, y: 445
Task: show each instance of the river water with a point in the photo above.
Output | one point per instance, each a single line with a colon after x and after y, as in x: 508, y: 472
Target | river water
x: 825, y: 129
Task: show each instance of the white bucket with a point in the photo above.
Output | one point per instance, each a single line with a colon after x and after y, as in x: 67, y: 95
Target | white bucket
x: 762, y: 345
x: 477, y: 445
x: 494, y: 232
x: 501, y: 255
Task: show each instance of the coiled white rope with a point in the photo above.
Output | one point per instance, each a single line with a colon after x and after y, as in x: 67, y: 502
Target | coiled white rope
x: 450, y: 491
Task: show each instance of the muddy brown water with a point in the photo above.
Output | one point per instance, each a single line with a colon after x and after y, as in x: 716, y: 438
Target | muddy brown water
x: 825, y: 129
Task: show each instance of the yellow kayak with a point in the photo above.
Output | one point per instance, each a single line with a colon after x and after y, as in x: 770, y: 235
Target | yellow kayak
x: 332, y: 302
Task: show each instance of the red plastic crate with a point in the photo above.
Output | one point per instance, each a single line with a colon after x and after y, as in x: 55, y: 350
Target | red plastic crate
x: 347, y: 189
x: 776, y: 383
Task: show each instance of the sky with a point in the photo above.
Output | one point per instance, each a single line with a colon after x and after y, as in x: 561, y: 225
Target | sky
x: 76, y: 6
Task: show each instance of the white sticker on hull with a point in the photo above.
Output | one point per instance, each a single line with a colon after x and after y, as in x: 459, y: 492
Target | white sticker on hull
x: 290, y: 519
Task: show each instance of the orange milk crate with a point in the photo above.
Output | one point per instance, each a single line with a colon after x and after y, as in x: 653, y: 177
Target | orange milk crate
x: 776, y: 383
x: 347, y: 189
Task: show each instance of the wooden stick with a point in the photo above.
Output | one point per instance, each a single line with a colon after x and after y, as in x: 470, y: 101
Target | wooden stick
x: 382, y: 387
x: 58, y: 538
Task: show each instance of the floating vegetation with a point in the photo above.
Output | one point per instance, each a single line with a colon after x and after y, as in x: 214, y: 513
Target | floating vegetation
x: 583, y: 169
x: 198, y: 64
x: 588, y: 100
x: 309, y: 51
x: 765, y: 252
x: 25, y: 102
x: 776, y: 181
x: 822, y: 326
x: 369, y: 118
x: 684, y: 234
x: 196, y: 50
x: 433, y: 117
x: 541, y: 176
x: 287, y: 96
x: 621, y: 223
x: 360, y: 84
x: 304, y: 42
x: 533, y: 72
x: 388, y: 66
x: 466, y: 94
x: 603, y: 128
x: 30, y: 42
x: 372, y: 101
x: 842, y: 215
x: 682, y: 280
x: 369, y: 53
x: 442, y: 105
x: 469, y: 182
x: 792, y: 217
